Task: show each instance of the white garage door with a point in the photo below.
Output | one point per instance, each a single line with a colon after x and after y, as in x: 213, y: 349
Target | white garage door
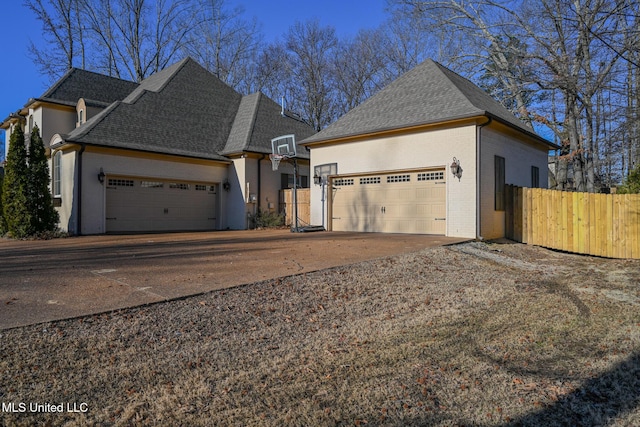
x: 136, y: 205
x: 401, y: 202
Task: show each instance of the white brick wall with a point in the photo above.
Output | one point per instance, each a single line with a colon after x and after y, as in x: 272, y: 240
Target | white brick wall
x: 519, y: 157
x: 435, y: 148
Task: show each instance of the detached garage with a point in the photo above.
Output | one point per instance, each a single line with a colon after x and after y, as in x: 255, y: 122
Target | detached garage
x: 428, y: 154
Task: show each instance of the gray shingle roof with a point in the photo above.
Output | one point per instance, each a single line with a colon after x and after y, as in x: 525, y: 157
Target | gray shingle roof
x: 185, y: 110
x: 258, y: 121
x: 429, y: 93
x: 182, y: 110
x: 76, y: 84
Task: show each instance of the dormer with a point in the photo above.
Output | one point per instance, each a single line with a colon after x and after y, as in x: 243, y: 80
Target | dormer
x: 81, y: 112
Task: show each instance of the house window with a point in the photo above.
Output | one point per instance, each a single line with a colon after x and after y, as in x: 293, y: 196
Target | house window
x: 535, y: 177
x: 30, y: 123
x: 286, y: 181
x: 80, y: 117
x: 57, y: 160
x: 500, y: 182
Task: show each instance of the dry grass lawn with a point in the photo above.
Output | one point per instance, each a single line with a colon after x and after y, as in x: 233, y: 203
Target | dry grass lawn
x: 472, y: 334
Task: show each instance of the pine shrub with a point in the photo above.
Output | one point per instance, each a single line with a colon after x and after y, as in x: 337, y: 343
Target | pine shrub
x: 44, y: 217
x: 14, y: 188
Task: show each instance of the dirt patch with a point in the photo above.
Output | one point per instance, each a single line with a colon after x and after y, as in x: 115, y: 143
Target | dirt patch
x: 472, y: 334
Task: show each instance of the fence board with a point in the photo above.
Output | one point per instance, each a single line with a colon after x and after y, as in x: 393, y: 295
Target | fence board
x: 564, y: 225
x: 596, y: 224
x: 634, y: 211
x: 304, y: 206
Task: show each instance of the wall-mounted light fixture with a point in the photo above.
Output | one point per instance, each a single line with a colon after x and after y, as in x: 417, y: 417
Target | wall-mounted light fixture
x: 317, y: 179
x: 101, y: 176
x: 456, y: 170
x: 226, y: 185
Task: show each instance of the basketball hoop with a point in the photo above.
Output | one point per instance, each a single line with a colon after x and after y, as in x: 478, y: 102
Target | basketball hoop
x: 275, y: 160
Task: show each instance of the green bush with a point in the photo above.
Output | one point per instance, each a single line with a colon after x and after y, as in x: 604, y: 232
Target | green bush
x: 632, y: 183
x: 267, y: 219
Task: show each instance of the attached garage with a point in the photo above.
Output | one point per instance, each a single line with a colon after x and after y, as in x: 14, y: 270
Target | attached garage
x: 140, y: 205
x: 399, y: 202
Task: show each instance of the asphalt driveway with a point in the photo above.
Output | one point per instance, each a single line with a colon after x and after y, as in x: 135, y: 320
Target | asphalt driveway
x: 49, y: 280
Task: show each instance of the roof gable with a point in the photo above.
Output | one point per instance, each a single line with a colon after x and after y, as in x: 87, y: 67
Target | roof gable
x: 426, y: 94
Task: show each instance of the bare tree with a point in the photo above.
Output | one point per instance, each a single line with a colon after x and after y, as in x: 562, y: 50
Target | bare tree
x: 63, y: 33
x: 97, y: 17
x: 300, y: 69
x: 127, y: 38
x: 225, y: 43
x: 571, y: 47
x: 359, y: 69
x: 148, y: 35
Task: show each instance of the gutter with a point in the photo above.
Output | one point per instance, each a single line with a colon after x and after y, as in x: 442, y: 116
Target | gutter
x: 479, y: 177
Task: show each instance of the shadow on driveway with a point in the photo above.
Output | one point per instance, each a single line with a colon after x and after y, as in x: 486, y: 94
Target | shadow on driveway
x: 50, y: 280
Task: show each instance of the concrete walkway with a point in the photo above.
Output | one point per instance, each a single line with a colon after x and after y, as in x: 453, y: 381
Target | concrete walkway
x: 42, y: 281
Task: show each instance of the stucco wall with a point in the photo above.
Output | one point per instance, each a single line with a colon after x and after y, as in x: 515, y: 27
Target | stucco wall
x: 52, y: 121
x: 67, y: 212
x: 434, y: 148
x: 519, y: 157
x: 243, y: 176
x: 93, y: 192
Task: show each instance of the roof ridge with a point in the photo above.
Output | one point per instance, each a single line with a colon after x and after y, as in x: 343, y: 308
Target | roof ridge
x: 446, y: 73
x: 240, y: 129
x: 504, y: 113
x: 58, y: 83
x: 73, y: 70
x: 144, y: 85
x: 254, y: 114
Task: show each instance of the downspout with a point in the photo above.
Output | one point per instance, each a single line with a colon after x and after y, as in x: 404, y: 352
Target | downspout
x: 479, y: 178
x: 79, y: 209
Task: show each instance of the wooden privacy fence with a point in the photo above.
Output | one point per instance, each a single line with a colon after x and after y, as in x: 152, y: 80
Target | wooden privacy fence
x: 605, y: 225
x: 304, y: 205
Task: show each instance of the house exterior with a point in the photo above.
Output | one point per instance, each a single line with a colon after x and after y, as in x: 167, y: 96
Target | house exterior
x: 386, y: 166
x: 179, y: 151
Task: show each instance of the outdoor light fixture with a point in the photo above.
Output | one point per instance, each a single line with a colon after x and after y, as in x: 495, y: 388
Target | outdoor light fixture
x: 101, y: 176
x: 226, y: 185
x: 456, y: 170
x: 317, y: 179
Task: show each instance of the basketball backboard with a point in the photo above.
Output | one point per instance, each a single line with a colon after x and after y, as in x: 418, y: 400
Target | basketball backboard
x: 322, y: 172
x: 284, y: 145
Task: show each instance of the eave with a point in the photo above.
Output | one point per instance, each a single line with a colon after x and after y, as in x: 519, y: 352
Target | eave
x: 420, y: 127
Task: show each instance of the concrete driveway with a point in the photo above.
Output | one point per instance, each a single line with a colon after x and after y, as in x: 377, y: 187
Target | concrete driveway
x: 63, y: 278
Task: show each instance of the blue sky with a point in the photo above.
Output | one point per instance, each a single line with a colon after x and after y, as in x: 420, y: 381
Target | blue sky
x: 20, y: 80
